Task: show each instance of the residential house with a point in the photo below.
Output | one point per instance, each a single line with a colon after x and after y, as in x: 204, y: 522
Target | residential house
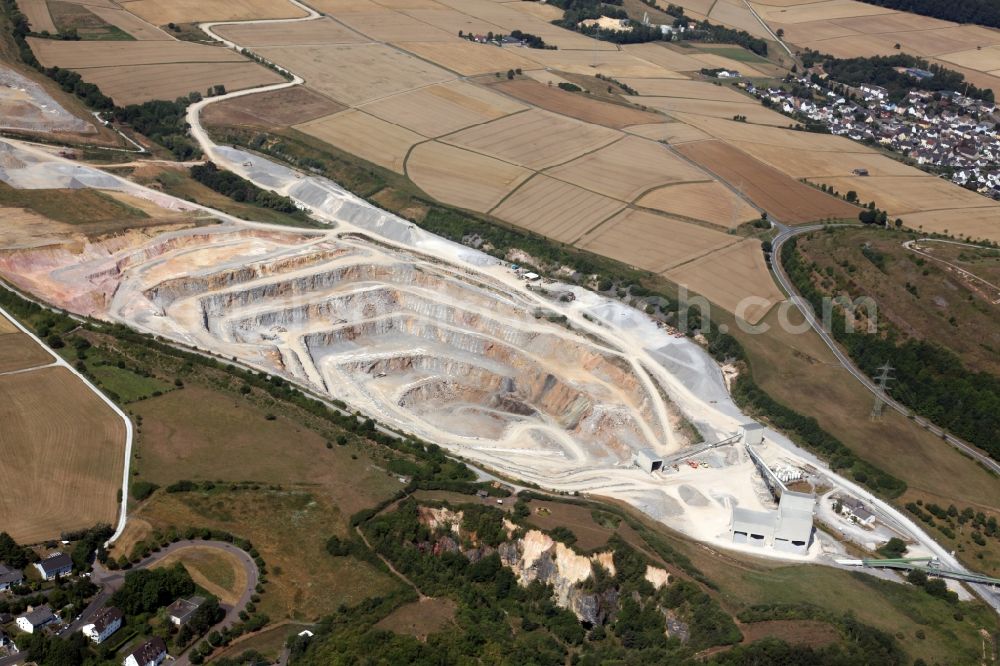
x: 856, y: 510
x: 9, y: 577
x: 56, y: 564
x: 36, y: 618
x: 150, y: 653
x: 181, y: 610
x: 105, y: 622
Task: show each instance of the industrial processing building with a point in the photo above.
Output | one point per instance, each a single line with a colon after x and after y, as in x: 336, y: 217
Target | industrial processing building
x: 789, y: 529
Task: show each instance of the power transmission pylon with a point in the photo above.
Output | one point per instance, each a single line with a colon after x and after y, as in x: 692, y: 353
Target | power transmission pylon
x: 883, y: 379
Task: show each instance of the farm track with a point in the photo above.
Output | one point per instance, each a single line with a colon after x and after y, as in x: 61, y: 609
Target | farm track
x: 58, y: 361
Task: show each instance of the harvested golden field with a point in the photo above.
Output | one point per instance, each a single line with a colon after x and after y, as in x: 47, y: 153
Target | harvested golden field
x: 982, y: 59
x: 575, y: 105
x: 627, y: 168
x: 708, y: 202
x: 535, y: 139
x: 736, y: 15
x: 390, y: 26
x: 784, y: 198
x: 977, y: 223
x: 511, y: 19
x: 451, y: 21
x: 556, y: 209
x: 848, y: 29
x: 652, y: 242
x: 892, y: 22
x: 685, y: 88
x: 18, y: 351
x: 366, y: 136
x: 37, y: 13
x: 84, y: 55
x: 907, y: 194
x: 130, y: 23
x: 818, y: 11
x: 545, y: 77
x: 735, y: 278
x: 63, y: 449
x: 853, y: 46
x: 161, y: 12
x: 752, y: 111
x: 667, y: 57
x: 712, y: 61
x: 545, y: 12
x: 337, y: 7
x: 468, y: 58
x: 616, y: 64
x: 671, y: 132
x: 141, y: 83
x: 772, y: 136
x: 813, y: 163
x: 323, y: 31
x: 278, y: 108
x: 444, y: 108
x: 462, y: 178
x: 358, y: 73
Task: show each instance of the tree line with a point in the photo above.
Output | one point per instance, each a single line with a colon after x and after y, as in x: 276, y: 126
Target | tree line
x: 241, y: 189
x: 883, y: 71
x: 980, y: 12
x: 929, y: 379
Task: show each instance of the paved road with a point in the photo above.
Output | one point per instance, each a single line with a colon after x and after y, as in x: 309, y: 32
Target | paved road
x: 111, y: 581
x: 786, y: 233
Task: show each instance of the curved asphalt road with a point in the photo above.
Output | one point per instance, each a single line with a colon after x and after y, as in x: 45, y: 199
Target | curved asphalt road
x: 786, y: 233
x: 111, y: 581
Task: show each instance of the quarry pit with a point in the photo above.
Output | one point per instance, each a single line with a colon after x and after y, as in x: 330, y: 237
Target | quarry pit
x: 549, y: 384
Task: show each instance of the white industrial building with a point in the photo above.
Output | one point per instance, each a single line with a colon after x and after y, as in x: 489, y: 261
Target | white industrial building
x: 751, y: 433
x: 789, y: 529
x: 647, y: 460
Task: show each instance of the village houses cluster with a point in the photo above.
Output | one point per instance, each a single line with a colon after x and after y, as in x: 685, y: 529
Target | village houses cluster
x: 97, y: 624
x: 945, y: 130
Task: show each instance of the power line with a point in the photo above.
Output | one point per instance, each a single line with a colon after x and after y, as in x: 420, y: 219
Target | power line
x: 882, y: 380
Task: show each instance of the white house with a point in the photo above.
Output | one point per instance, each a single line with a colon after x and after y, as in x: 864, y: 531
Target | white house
x: 56, y: 564
x: 36, y: 618
x: 104, y: 623
x: 856, y: 510
x: 150, y: 653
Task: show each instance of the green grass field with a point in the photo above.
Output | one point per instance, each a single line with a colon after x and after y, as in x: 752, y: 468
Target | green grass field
x: 736, y: 53
x: 83, y: 206
x: 126, y: 384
